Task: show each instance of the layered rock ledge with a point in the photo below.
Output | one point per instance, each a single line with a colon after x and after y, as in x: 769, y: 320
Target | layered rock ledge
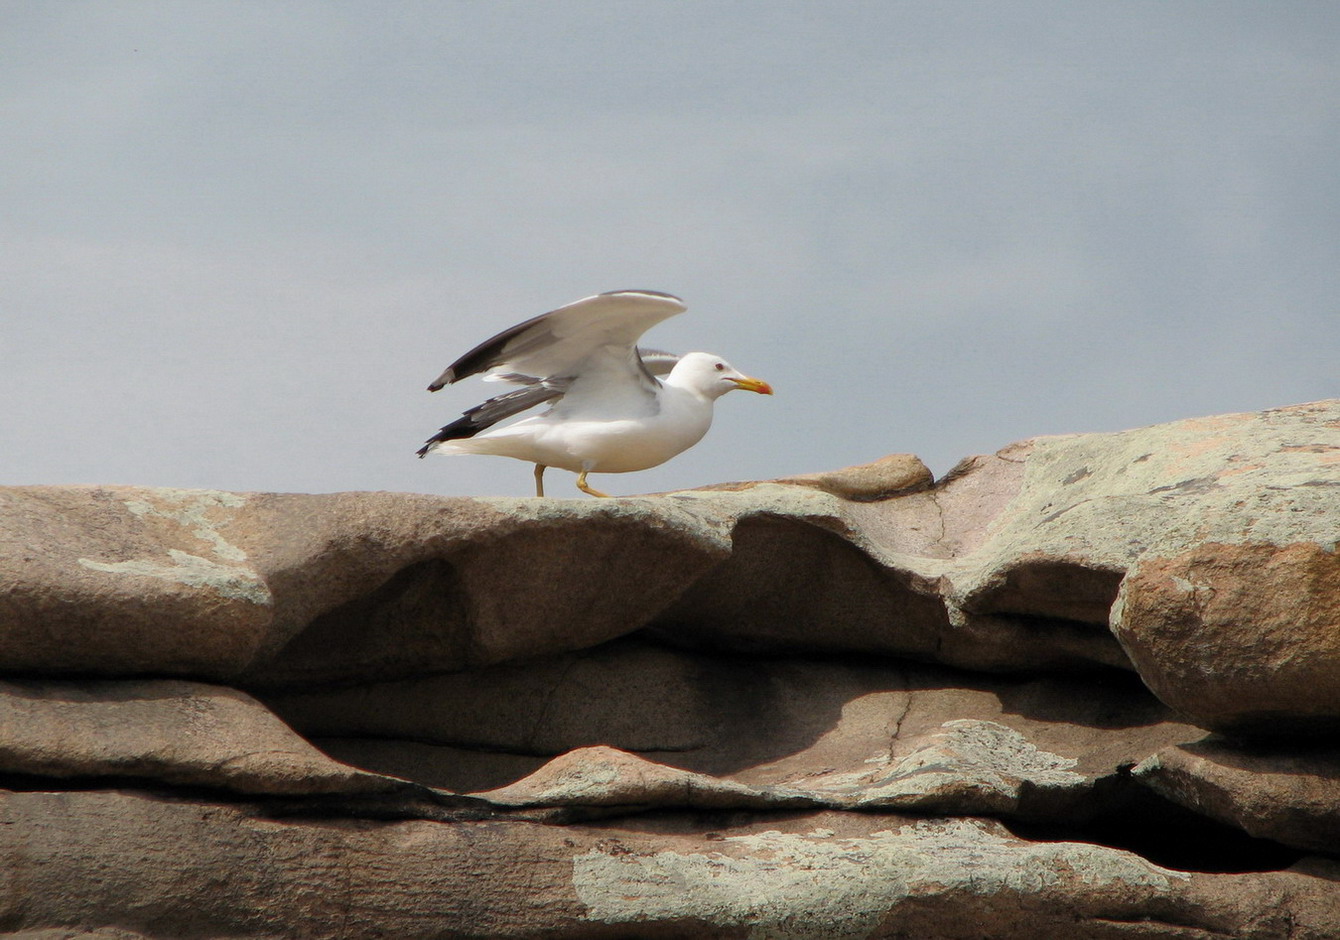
x: 1087, y: 685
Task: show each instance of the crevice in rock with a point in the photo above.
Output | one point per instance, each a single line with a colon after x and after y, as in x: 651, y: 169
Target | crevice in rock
x: 1156, y: 830
x: 1140, y: 926
x: 1167, y: 835
x: 410, y: 802
x: 1050, y: 588
x: 547, y: 704
x: 1026, y: 642
x: 791, y: 586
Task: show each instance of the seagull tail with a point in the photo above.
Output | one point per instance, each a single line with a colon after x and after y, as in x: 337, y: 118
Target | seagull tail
x: 459, y: 429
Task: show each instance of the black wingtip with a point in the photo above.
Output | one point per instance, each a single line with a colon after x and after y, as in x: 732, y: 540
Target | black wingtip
x: 462, y: 427
x: 443, y: 380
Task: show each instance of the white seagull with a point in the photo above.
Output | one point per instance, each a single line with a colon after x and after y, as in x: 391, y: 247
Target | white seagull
x: 616, y: 408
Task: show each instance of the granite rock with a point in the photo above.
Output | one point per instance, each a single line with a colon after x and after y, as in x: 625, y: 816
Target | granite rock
x: 849, y: 704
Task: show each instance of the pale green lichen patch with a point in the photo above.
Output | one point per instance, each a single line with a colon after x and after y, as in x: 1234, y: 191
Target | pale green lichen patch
x: 984, y: 759
x: 201, y: 513
x: 195, y: 510
x: 967, y: 759
x: 1209, y: 470
x: 193, y: 571
x: 995, y: 750
x: 791, y: 886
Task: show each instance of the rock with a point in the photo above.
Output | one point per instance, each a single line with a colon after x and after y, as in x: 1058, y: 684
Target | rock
x: 823, y: 877
x: 796, y: 582
x: 75, y: 933
x: 894, y: 475
x: 1270, y: 792
x: 183, y: 733
x: 1012, y: 563
x: 423, y: 714
x: 967, y: 767
x: 829, y: 875
x: 630, y: 695
x: 901, y: 577
x: 607, y: 777
x: 1088, y: 507
x: 1242, y: 638
x: 127, y: 580
x: 287, y: 587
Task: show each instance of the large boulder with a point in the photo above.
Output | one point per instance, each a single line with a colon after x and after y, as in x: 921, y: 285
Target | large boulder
x: 1244, y: 637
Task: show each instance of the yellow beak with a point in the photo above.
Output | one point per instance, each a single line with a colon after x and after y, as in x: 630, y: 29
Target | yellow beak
x: 753, y: 385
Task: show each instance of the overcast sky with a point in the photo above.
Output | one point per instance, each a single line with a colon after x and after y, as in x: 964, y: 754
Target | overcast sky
x: 238, y: 239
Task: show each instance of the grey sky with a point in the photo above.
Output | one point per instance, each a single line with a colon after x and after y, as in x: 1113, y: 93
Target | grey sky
x: 238, y: 239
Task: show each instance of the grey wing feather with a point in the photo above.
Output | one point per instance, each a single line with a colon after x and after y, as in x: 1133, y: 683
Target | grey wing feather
x: 657, y: 361
x: 500, y: 408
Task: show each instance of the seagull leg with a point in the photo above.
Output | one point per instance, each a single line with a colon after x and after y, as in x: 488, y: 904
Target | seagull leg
x: 581, y: 485
x: 539, y: 479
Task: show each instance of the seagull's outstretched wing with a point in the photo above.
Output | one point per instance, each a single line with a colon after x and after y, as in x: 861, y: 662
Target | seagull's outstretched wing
x: 547, y: 355
x: 553, y: 345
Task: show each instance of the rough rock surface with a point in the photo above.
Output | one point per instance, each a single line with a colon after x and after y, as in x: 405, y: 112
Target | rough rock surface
x: 172, y: 731
x: 893, y: 475
x: 850, y: 704
x: 837, y: 875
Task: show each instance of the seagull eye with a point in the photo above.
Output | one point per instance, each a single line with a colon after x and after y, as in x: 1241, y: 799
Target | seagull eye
x: 721, y: 367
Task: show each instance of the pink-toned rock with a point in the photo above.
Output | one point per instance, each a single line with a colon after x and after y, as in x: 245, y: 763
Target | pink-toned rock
x: 894, y: 475
x: 729, y: 671
x: 290, y: 587
x: 1087, y: 507
x: 1241, y: 638
x: 608, y: 777
x: 204, y: 870
x: 183, y: 733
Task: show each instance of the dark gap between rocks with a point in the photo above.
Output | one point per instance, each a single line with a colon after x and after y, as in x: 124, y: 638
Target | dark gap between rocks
x: 1055, y: 644
x: 1051, y: 588
x: 1169, y: 836
x: 412, y: 802
x: 1156, y: 830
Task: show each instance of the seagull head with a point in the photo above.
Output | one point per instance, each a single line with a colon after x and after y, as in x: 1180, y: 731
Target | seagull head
x: 713, y: 376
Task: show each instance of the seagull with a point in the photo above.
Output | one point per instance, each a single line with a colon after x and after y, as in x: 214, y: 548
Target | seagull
x: 614, y: 408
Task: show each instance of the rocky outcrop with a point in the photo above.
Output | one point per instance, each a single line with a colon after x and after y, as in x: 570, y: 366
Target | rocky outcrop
x: 1080, y: 686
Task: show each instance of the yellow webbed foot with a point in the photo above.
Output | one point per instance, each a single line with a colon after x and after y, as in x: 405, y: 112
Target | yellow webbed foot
x: 581, y: 485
